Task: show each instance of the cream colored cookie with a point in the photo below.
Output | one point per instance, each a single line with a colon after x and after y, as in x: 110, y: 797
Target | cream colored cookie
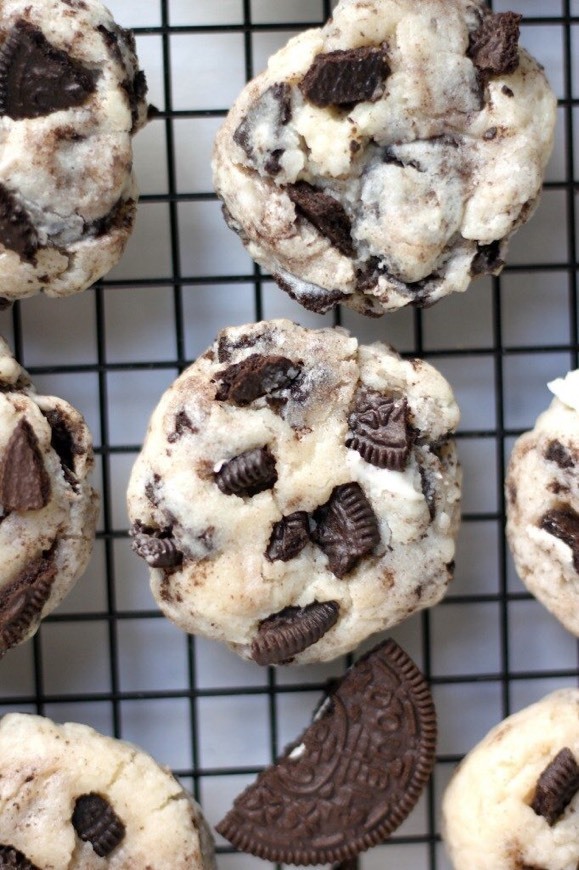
x: 542, y: 497
x: 297, y: 492
x: 386, y: 158
x: 513, y: 803
x: 71, y: 98
x: 48, y: 509
x: 73, y: 798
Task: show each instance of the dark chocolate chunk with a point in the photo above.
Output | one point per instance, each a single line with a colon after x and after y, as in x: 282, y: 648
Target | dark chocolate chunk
x: 247, y: 474
x: 354, y: 774
x: 157, y: 552
x: 556, y: 786
x: 24, y: 481
x: 379, y: 430
x: 17, y: 232
x: 494, y: 46
x: 325, y: 213
x: 21, y: 602
x: 14, y: 859
x: 120, y: 217
x: 283, y: 635
x: 36, y: 78
x: 563, y: 523
x: 340, y: 78
x: 255, y: 376
x: 487, y: 260
x: 561, y: 455
x: 288, y: 538
x: 273, y: 164
x: 95, y: 822
x: 346, y: 528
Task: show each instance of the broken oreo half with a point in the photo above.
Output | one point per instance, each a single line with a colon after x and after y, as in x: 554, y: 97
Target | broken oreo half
x: 95, y: 822
x: 556, y: 787
x: 352, y: 777
x: 283, y: 635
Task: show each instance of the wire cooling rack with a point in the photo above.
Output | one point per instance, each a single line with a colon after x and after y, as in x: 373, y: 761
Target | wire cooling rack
x: 106, y: 657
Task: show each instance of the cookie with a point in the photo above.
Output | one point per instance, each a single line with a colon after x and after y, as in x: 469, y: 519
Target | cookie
x: 297, y: 492
x: 71, y: 98
x: 387, y: 158
x: 73, y: 798
x: 48, y: 509
x: 513, y: 802
x: 542, y: 499
x: 352, y: 777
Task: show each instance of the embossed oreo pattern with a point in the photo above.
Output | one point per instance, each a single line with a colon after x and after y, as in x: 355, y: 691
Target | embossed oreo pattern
x: 352, y: 777
x: 288, y: 467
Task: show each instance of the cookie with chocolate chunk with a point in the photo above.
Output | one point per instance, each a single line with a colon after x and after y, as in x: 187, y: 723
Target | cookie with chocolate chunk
x: 73, y: 798
x: 297, y: 492
x: 48, y: 509
x: 71, y: 98
x: 513, y: 802
x: 542, y: 498
x: 352, y: 777
x: 386, y: 158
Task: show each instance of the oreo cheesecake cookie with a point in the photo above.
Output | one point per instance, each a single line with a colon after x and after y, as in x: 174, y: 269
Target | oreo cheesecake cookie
x: 386, y: 158
x: 352, y: 777
x: 71, y: 98
x: 542, y: 499
x: 73, y: 798
x: 48, y: 509
x: 297, y: 492
x: 513, y: 802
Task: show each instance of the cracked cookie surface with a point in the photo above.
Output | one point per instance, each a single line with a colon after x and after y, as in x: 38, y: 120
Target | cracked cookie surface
x: 48, y: 509
x: 386, y: 159
x: 73, y: 798
x: 512, y: 802
x: 542, y: 497
x: 71, y: 98
x: 297, y: 492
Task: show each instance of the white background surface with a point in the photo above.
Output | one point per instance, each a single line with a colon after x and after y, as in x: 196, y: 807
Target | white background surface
x: 489, y: 648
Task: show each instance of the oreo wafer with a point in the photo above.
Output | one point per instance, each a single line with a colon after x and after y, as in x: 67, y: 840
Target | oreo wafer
x: 352, y: 777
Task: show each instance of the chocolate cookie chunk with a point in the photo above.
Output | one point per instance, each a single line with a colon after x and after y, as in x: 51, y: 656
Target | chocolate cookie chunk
x: 387, y: 158
x: 542, y: 489
x: 71, y: 98
x: 48, y: 509
x: 352, y: 777
x: 294, y: 490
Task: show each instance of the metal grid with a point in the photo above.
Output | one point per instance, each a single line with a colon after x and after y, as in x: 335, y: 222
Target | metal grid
x: 107, y: 657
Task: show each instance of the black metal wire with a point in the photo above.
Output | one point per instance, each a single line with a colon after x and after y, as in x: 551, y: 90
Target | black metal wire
x: 499, y: 435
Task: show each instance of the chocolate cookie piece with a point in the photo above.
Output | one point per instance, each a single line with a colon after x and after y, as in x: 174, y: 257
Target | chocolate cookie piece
x: 282, y: 636
x: 381, y: 160
x: 513, y: 800
x: 36, y: 78
x: 247, y: 469
x: 352, y: 777
x: 542, y: 498
x: 71, y: 98
x: 75, y: 799
x: 494, y: 47
x: 346, y: 528
x: 556, y: 787
x: 340, y: 78
x: 96, y: 822
x: 48, y: 507
x: 13, y: 859
x: 379, y: 431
